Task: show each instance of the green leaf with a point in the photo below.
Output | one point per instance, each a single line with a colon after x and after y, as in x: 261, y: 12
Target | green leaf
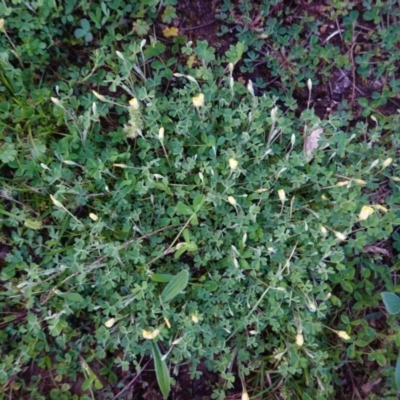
x: 198, y: 202
x: 186, y: 235
x: 141, y: 27
x: 363, y: 102
x: 154, y: 50
x: 162, y: 372
x: 392, y: 302
x: 183, y: 209
x: 177, y: 284
x: 397, y: 374
x: 235, y: 53
x: 204, y: 52
x: 85, y: 24
x: 38, y: 149
x: 33, y: 224
x: 79, y: 33
x: 7, y: 152
x: 74, y: 297
x: 162, y: 278
x: 211, y: 286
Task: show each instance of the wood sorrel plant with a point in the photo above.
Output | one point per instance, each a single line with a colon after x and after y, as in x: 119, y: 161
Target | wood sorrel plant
x: 198, y: 230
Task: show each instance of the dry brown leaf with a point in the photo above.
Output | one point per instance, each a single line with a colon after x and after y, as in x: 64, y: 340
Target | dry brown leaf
x: 311, y: 142
x: 170, y: 32
x: 376, y: 250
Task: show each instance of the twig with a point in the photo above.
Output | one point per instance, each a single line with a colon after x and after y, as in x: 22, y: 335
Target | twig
x: 199, y: 26
x: 94, y: 264
x: 131, y: 382
x: 353, y: 72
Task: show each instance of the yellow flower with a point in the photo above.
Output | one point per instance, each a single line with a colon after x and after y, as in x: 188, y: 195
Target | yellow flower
x: 232, y: 200
x: 150, y: 335
x: 299, y: 339
x: 365, y: 212
x: 134, y: 103
x: 198, y: 101
x: 93, y: 217
x: 343, y: 335
x: 1, y: 24
x: 195, y: 318
x: 233, y: 164
x: 323, y: 230
x: 110, y: 323
x: 282, y: 195
x: 245, y: 395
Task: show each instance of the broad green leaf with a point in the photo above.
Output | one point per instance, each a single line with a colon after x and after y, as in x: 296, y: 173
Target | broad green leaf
x: 177, y: 284
x: 162, y: 372
x: 33, y: 224
x: 211, y: 286
x: 186, y: 236
x: 392, y: 302
x: 7, y: 152
x: 183, y: 209
x: 37, y: 149
x: 79, y: 33
x: 162, y: 278
x: 194, y: 220
x: 75, y: 297
x: 198, y: 202
x: 397, y: 374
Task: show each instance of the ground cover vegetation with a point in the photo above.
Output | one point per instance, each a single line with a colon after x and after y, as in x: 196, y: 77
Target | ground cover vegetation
x: 199, y: 199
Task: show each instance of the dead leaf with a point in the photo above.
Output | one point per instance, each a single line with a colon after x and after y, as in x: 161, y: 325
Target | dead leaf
x: 311, y: 143
x: 376, y: 250
x: 170, y: 32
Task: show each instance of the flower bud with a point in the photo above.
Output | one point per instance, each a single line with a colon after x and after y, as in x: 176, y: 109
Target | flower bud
x: 110, y: 323
x: 273, y: 113
x: 161, y: 134
x: 93, y: 217
x: 299, y: 339
x: 245, y: 395
x: 387, y: 162
x: 309, y: 84
x: 282, y: 195
x: 343, y: 335
x: 250, y: 87
x: 232, y: 200
x: 340, y: 236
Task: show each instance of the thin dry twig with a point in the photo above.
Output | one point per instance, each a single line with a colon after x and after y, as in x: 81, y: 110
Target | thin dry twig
x: 95, y: 264
x: 130, y: 383
x: 353, y: 71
